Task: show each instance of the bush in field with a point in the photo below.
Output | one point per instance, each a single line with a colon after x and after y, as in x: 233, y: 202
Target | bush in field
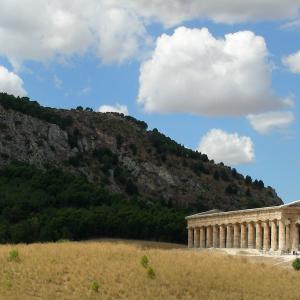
x: 13, y: 255
x: 151, y: 273
x: 296, y: 264
x: 144, y: 261
x: 95, y: 286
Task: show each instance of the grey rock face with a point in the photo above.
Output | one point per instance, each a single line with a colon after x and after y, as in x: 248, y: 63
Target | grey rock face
x: 171, y: 179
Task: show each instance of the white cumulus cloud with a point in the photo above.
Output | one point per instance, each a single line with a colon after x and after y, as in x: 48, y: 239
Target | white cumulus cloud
x: 172, y: 12
x: 292, y: 62
x: 193, y: 72
x: 229, y: 148
x: 115, y: 30
x: 60, y: 29
x: 122, y: 109
x: 266, y: 122
x: 11, y: 83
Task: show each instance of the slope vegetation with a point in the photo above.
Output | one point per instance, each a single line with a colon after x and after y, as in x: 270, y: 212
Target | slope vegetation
x: 119, y: 154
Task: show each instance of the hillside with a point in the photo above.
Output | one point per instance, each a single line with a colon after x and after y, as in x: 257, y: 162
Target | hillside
x: 118, y: 153
x: 110, y: 270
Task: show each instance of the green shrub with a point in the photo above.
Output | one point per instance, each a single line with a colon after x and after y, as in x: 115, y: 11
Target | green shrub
x: 75, y: 160
x: 232, y: 188
x: 60, y: 241
x: 144, y: 261
x: 131, y: 188
x: 120, y: 141
x: 143, y: 125
x: 133, y: 148
x: 95, y: 286
x: 296, y: 264
x: 13, y: 255
x: 151, y: 273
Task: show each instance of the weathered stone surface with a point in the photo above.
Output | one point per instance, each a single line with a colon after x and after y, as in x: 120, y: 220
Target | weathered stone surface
x: 266, y: 229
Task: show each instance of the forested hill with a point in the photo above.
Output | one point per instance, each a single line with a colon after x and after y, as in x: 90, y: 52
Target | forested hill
x: 80, y: 174
x: 118, y: 153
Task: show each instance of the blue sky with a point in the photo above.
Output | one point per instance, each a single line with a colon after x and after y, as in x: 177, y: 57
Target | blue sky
x: 235, y: 97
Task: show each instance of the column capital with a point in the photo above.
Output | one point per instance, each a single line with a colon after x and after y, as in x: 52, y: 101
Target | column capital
x: 287, y: 221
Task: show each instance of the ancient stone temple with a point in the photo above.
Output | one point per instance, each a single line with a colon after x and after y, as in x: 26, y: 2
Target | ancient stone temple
x: 270, y: 229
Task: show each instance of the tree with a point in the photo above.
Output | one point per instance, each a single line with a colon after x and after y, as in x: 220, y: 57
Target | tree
x: 248, y: 180
x: 131, y: 188
x: 216, y: 175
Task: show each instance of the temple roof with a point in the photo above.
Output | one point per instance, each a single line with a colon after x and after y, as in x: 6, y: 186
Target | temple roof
x: 292, y: 204
x: 217, y: 211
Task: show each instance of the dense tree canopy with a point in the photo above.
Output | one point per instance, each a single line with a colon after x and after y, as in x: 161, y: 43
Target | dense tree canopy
x: 49, y: 205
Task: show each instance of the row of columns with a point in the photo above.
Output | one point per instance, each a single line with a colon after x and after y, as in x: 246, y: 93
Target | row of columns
x: 269, y: 235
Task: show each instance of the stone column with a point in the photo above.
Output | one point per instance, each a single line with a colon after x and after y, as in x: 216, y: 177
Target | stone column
x: 281, y: 241
x: 295, y: 243
x: 258, y: 241
x: 215, y: 236
x: 236, y: 235
x: 244, y: 235
x: 190, y: 237
x: 274, y: 245
x: 208, y: 236
x: 287, y: 237
x: 197, y: 237
x: 229, y: 236
x: 222, y: 236
x: 202, y: 237
x: 266, y: 236
x: 251, y: 235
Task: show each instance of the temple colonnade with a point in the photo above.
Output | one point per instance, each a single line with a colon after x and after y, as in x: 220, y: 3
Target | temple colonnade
x: 269, y: 229
x: 271, y: 235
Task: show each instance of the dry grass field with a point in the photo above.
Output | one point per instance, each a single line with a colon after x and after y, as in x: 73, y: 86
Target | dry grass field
x: 113, y: 270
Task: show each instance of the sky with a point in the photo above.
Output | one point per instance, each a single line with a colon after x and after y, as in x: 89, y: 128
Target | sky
x: 220, y: 77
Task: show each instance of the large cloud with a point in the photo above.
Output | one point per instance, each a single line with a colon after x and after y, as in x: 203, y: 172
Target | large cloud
x: 47, y: 29
x: 114, y: 29
x: 11, y: 83
x: 292, y: 62
x: 266, y: 122
x: 172, y: 12
x: 232, y: 11
x: 193, y: 72
x: 122, y: 109
x: 229, y: 148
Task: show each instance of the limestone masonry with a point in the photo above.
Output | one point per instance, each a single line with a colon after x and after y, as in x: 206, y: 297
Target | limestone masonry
x: 272, y: 229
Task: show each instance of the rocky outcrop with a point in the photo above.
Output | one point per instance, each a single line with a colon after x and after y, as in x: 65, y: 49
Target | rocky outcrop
x: 119, y: 154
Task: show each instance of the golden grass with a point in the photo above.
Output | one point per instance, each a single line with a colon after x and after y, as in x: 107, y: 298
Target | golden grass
x: 68, y: 270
